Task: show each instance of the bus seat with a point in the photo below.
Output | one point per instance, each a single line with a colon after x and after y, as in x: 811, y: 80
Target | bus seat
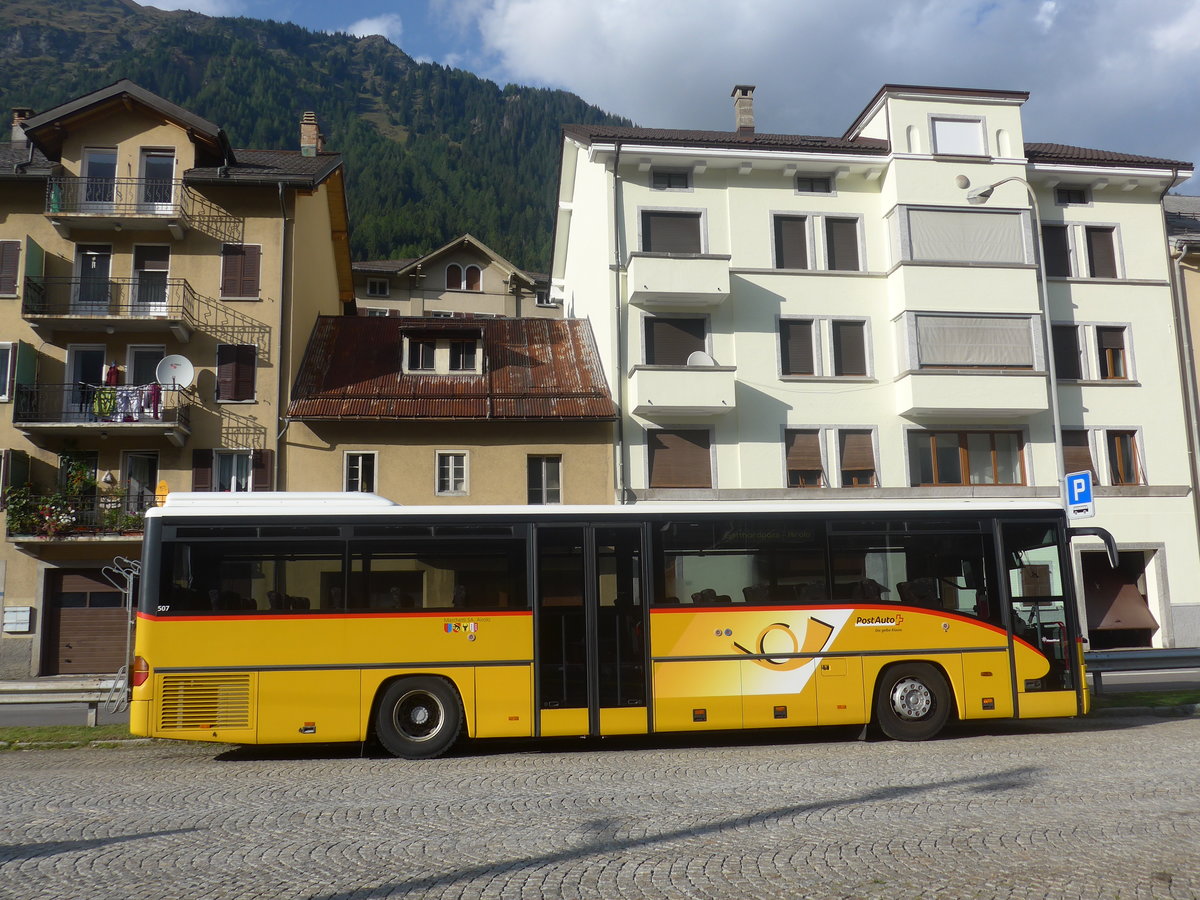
x: 299, y: 603
x: 919, y: 592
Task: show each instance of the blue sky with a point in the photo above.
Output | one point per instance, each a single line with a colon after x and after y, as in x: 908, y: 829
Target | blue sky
x: 1113, y: 74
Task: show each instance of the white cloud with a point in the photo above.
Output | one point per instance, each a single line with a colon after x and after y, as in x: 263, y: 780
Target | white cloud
x: 389, y: 25
x: 1108, y: 73
x: 207, y: 7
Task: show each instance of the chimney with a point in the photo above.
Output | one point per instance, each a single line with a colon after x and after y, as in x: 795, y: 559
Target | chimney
x: 743, y: 109
x: 20, y: 114
x: 312, y: 141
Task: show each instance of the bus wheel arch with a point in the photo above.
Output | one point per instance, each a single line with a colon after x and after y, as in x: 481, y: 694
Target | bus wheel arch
x: 418, y: 716
x: 913, y: 701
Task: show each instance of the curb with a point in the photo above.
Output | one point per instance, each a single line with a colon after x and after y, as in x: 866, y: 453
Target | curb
x: 1183, y: 711
x: 110, y: 744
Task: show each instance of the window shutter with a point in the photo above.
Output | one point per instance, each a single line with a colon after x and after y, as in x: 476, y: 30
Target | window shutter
x: 804, y: 450
x: 791, y: 242
x: 202, y: 470
x: 474, y: 278
x: 231, y: 270
x: 10, y: 255
x: 251, y: 260
x: 244, y: 370
x: 1066, y: 351
x: 262, y: 470
x: 669, y: 342
x: 842, y: 244
x: 1102, y: 257
x: 1077, y: 453
x: 796, y: 347
x: 680, y: 459
x: 1111, y: 338
x: 849, y: 348
x: 666, y: 232
x: 1057, y: 250
x: 857, y: 452
x: 454, y: 277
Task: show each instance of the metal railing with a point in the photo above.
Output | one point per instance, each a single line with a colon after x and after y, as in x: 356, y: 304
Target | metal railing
x: 140, y: 197
x: 102, y: 405
x: 98, y: 691
x: 58, y: 515
x: 148, y: 296
x: 1145, y: 659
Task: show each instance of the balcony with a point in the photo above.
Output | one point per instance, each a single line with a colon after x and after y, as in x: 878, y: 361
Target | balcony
x: 147, y: 303
x: 82, y: 410
x: 970, y: 396
x: 667, y: 280
x: 690, y: 391
x: 143, y: 204
x: 43, y: 517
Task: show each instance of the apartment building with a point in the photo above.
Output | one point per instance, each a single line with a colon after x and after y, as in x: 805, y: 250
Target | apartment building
x: 464, y: 276
x: 927, y: 305
x: 157, y: 287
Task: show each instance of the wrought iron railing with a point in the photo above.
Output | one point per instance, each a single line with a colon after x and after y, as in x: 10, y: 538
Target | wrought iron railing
x: 102, y: 405
x: 45, y: 514
x: 128, y: 197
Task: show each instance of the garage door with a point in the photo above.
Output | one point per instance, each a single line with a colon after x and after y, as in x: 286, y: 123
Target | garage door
x: 86, y: 622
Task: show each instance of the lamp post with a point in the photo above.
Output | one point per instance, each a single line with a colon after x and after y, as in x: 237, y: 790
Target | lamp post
x: 981, y: 195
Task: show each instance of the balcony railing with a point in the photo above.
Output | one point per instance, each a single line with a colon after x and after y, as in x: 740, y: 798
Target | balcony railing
x: 102, y: 406
x: 118, y: 199
x: 151, y: 295
x: 61, y: 515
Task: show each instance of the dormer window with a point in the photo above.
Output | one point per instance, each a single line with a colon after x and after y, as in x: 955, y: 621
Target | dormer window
x: 421, y: 355
x: 959, y: 136
x: 671, y: 180
x: 463, y: 356
x: 459, y: 278
x: 449, y: 352
x: 378, y: 287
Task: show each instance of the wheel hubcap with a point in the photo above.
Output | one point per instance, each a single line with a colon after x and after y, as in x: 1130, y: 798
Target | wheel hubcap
x: 418, y: 716
x: 911, y: 698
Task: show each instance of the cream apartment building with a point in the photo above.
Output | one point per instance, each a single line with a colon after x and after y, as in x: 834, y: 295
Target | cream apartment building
x: 870, y: 316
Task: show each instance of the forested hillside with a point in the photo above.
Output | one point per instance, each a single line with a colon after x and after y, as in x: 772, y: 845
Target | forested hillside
x: 431, y: 152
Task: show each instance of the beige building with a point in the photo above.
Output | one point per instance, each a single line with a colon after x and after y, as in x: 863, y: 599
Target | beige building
x: 453, y: 411
x: 464, y: 276
x: 156, y: 288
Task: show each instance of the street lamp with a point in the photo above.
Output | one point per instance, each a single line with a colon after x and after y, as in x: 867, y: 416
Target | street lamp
x: 980, y: 195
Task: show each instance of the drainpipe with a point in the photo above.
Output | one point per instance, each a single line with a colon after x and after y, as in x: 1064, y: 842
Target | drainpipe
x: 621, y: 475
x: 285, y: 325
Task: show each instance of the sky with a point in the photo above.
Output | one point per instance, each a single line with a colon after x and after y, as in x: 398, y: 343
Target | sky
x: 1112, y: 74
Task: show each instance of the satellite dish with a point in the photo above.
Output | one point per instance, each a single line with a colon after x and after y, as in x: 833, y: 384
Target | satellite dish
x: 700, y: 358
x: 174, y: 371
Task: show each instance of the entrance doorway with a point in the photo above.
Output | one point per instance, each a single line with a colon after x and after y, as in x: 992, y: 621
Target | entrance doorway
x: 1118, y: 611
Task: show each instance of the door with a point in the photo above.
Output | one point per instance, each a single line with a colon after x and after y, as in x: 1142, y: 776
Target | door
x: 591, y: 627
x: 150, y: 264
x: 157, y: 190
x: 141, y: 480
x: 100, y: 180
x: 85, y: 380
x: 93, y: 263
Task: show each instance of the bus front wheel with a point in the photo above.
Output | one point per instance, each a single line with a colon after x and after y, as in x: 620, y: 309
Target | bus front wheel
x: 418, y: 718
x: 913, y: 703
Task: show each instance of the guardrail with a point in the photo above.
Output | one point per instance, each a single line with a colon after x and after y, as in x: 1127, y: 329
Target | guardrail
x: 109, y: 692
x: 1140, y: 660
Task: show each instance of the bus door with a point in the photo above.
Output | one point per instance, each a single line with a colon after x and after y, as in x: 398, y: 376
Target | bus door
x: 591, y: 628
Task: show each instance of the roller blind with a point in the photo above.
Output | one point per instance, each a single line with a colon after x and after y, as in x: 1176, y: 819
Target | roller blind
x: 1102, y: 256
x: 680, y: 459
x: 1057, y: 250
x: 1066, y: 351
x: 974, y: 341
x: 966, y: 236
x: 791, y: 242
x: 669, y: 342
x: 1077, y: 452
x: 671, y: 232
x: 803, y: 450
x: 796, y: 347
x: 857, y: 452
x: 849, y: 348
x: 841, y: 240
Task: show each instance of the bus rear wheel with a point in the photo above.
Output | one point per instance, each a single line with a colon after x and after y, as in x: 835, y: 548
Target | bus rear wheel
x: 913, y: 702
x: 418, y: 718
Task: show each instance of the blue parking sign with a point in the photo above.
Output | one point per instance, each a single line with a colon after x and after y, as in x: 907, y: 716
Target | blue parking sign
x: 1080, y: 503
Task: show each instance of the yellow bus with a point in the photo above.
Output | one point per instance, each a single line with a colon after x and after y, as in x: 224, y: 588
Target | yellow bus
x: 272, y: 618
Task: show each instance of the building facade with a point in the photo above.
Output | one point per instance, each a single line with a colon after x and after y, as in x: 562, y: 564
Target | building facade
x: 924, y: 306
x: 156, y: 290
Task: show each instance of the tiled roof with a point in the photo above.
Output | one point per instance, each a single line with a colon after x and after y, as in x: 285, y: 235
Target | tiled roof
x: 1085, y: 156
x: 1183, y: 216
x: 269, y: 166
x: 668, y: 137
x: 533, y: 369
x: 13, y: 156
x: 389, y: 266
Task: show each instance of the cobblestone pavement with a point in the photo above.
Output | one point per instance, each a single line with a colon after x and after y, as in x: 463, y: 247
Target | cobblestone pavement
x: 1096, y: 809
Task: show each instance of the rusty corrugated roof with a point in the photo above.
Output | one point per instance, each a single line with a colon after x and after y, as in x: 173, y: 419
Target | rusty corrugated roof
x: 532, y: 369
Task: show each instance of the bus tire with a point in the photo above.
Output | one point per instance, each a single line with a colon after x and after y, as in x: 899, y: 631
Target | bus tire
x: 913, y: 702
x: 418, y: 717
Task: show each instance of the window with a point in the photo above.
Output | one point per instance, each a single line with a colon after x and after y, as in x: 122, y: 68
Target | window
x: 1110, y: 344
x: 233, y: 470
x: 669, y: 342
x: 1123, y: 466
x: 1077, y: 452
x: 360, y: 471
x: 421, y: 355
x: 542, y: 298
x: 796, y: 347
x: 849, y: 347
x: 962, y: 235
x: 965, y: 458
x: 961, y: 137
x: 463, y: 356
x: 240, y: 265
x: 841, y: 244
x: 791, y: 242
x: 1081, y: 251
x: 679, y: 459
x: 451, y: 472
x: 814, y: 184
x: 10, y: 254
x: 856, y: 458
x: 454, y: 277
x: 1056, y: 247
x: 804, y: 466
x: 545, y: 479
x: 235, y: 371
x: 380, y: 313
x: 1071, y: 196
x: 1067, y: 360
x: 671, y: 232
x: 1101, y: 251
x: 473, y: 277
x: 1092, y: 352
x: 378, y: 287
x: 991, y: 342
x: 671, y: 180
x: 6, y: 370
x: 150, y: 266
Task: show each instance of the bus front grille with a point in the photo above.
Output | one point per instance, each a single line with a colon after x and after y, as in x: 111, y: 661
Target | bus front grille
x: 203, y: 702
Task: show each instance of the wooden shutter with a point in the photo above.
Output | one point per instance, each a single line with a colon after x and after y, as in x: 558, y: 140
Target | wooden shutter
x: 849, y: 348
x: 671, y: 232
x: 1066, y: 351
x: 680, y: 459
x: 454, y: 277
x: 240, y: 265
x: 791, y: 242
x: 1077, y: 453
x: 10, y: 255
x: 842, y: 244
x: 669, y: 342
x: 796, y: 347
x: 202, y: 470
x: 804, y: 452
x: 235, y: 371
x: 474, y: 276
x: 262, y: 470
x: 1057, y: 250
x: 1102, y: 256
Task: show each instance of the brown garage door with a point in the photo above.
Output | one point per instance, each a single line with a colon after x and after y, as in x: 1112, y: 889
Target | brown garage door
x: 87, y: 622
